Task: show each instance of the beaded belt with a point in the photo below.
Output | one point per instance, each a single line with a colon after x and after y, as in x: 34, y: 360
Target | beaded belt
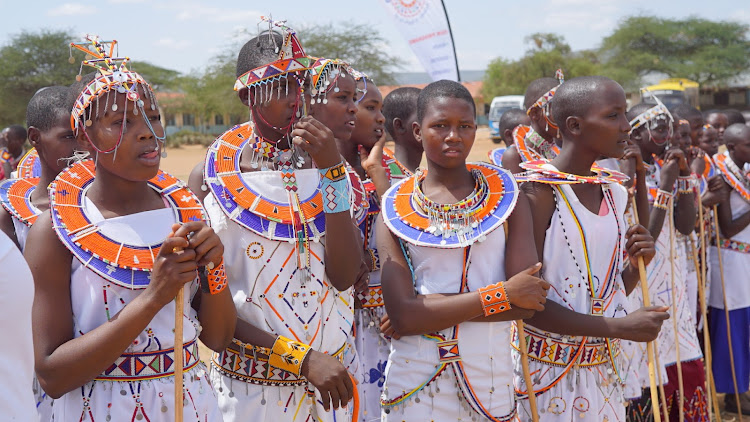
x: 149, y: 365
x: 557, y: 352
x: 372, y: 298
x: 735, y: 245
x: 255, y: 369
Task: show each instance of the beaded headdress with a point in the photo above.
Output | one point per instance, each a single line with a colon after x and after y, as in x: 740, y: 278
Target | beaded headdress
x: 651, y: 117
x: 112, y: 77
x: 544, y: 101
x: 291, y: 59
x: 325, y: 74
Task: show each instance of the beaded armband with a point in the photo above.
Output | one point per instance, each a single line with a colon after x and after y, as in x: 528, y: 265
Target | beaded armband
x: 288, y: 355
x: 494, y: 299
x: 686, y: 184
x: 334, y: 187
x: 662, y: 199
x: 252, y: 348
x: 217, y: 278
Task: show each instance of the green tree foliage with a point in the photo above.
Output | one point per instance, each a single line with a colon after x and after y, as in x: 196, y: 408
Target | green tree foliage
x: 547, y: 53
x: 360, y: 45
x: 708, y: 52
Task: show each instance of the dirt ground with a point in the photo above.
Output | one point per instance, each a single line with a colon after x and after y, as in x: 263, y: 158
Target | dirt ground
x: 180, y: 161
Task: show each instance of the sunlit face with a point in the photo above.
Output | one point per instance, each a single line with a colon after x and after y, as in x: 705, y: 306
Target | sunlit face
x: 338, y: 113
x: 605, y: 128
x: 138, y: 154
x: 370, y: 122
x: 274, y: 106
x: 447, y: 132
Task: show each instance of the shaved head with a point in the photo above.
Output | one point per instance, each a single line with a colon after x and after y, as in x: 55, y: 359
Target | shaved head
x: 577, y: 96
x: 536, y: 89
x: 736, y: 133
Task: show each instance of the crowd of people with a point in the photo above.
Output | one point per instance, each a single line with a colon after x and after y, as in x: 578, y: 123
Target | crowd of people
x: 591, y: 270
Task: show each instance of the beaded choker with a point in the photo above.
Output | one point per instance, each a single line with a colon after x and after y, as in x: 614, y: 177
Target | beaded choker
x: 543, y: 172
x: 452, y: 219
x: 416, y: 219
x: 29, y: 166
x: 15, y: 196
x: 123, y: 264
x: 733, y: 175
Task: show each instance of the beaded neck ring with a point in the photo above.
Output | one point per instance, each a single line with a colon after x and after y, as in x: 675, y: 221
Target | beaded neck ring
x: 112, y: 77
x: 652, y: 117
x: 543, y: 172
x: 414, y: 218
x: 544, y: 101
x: 15, y: 197
x: 266, y: 81
x: 532, y: 146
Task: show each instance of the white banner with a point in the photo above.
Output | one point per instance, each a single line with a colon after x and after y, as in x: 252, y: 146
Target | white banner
x: 424, y: 25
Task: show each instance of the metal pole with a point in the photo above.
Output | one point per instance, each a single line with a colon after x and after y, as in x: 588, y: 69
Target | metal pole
x: 453, y: 42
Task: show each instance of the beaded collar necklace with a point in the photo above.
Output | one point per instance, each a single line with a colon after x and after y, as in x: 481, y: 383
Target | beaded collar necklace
x: 543, y: 172
x: 29, y: 166
x: 532, y: 146
x: 121, y: 263
x: 455, y: 219
x: 733, y: 175
x: 15, y: 196
x: 422, y: 222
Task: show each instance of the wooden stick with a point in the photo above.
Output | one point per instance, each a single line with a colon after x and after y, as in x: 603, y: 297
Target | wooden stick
x: 526, y: 372
x: 726, y: 310
x: 178, y: 353
x: 662, y: 394
x: 700, y: 270
x: 650, y: 345
x: 681, y: 389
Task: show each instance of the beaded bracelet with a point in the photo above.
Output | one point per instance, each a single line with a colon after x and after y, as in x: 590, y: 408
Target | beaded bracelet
x: 685, y: 185
x: 217, y: 278
x: 494, y: 299
x: 252, y: 348
x: 288, y: 355
x: 662, y: 199
x: 335, y: 188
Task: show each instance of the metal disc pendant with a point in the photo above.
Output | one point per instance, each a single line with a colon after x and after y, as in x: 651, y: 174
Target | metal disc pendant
x: 114, y: 107
x: 164, y: 154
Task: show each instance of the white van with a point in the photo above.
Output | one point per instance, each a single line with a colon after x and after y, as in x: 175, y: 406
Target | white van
x: 499, y: 106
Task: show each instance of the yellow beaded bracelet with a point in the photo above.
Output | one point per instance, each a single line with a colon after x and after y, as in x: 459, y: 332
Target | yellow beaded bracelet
x: 288, y: 355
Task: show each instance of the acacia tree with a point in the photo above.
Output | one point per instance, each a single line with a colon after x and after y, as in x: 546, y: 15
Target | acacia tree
x: 708, y: 52
x: 547, y: 52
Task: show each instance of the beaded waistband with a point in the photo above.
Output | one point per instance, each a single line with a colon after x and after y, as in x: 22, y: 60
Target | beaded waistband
x: 254, y: 368
x: 149, y: 365
x: 557, y: 352
x: 735, y: 245
x: 372, y: 298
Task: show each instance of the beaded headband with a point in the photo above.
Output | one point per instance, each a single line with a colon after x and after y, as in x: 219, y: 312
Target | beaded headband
x: 652, y: 113
x: 324, y: 77
x: 683, y: 122
x: 544, y: 100
x: 707, y: 126
x: 291, y: 59
x: 112, y: 76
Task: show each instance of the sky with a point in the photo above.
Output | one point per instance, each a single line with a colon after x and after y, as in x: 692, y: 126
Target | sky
x: 186, y: 34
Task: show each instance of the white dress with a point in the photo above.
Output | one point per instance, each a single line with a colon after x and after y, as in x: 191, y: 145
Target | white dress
x: 484, y: 346
x: 587, y: 388
x: 261, y: 276
x: 94, y: 301
x: 16, y: 349
x: 736, y: 265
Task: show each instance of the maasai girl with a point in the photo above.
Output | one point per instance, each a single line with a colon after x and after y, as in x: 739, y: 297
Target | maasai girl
x: 670, y: 183
x: 103, y: 326
x: 364, y: 151
x: 734, y: 218
x: 293, y: 251
x: 537, y: 140
x: 581, y: 235
x: 451, y: 237
x: 48, y: 119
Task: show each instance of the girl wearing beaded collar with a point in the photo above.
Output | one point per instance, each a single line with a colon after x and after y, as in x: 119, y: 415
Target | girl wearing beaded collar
x: 733, y: 217
x: 444, y: 255
x: 293, y: 249
x: 103, y: 326
x: 584, y: 316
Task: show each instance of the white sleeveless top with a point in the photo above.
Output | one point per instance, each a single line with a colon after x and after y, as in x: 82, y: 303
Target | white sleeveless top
x: 95, y: 301
x: 736, y: 265
x: 591, y: 390
x: 261, y: 275
x: 484, y: 346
